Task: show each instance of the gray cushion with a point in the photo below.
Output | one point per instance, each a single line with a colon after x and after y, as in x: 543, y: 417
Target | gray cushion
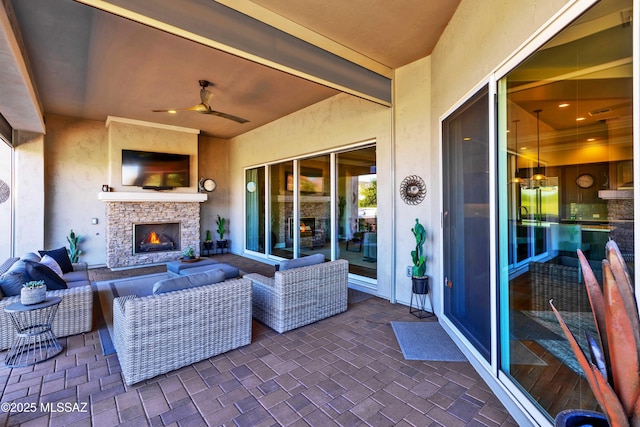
x: 75, y: 276
x: 230, y: 271
x: 178, y: 266
x: 190, y: 281
x: 306, y: 261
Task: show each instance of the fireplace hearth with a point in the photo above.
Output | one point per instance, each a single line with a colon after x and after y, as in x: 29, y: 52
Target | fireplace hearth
x: 156, y: 237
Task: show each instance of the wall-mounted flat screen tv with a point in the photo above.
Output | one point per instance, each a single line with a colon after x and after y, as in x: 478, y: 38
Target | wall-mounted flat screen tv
x: 149, y: 169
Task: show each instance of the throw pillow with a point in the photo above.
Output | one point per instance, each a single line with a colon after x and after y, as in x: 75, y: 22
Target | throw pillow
x: 306, y: 261
x: 39, y: 271
x: 187, y: 282
x: 62, y: 258
x: 52, y: 264
x: 11, y: 282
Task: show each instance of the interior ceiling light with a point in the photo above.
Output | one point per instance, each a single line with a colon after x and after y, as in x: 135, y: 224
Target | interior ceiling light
x: 579, y: 119
x: 516, y: 178
x: 564, y: 105
x: 538, y: 175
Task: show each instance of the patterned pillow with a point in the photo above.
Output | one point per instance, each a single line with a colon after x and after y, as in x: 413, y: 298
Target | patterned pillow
x: 52, y: 264
x: 62, y: 258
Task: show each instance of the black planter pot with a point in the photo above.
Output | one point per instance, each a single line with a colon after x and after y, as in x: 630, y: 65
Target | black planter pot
x: 208, y: 245
x: 580, y: 417
x: 420, y: 285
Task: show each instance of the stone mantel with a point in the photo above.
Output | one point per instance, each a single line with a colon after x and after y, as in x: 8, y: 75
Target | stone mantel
x: 154, y: 196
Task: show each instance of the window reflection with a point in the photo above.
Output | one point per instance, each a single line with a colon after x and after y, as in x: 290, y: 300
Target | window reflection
x: 568, y: 107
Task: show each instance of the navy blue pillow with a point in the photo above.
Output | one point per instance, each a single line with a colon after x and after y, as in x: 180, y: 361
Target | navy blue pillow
x: 62, y: 258
x: 39, y: 271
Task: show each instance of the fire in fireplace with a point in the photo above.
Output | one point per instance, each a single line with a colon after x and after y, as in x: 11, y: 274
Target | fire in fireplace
x: 158, y: 237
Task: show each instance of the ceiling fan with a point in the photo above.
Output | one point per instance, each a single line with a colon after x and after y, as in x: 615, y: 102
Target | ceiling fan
x: 205, y: 107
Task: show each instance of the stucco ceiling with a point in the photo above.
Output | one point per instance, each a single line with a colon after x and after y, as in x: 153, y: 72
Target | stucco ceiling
x: 89, y: 63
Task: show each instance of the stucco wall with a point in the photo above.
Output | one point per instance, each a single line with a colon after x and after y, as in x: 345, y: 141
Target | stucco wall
x: 213, y: 154
x: 149, y: 137
x: 76, y: 167
x: 414, y: 151
x: 336, y: 122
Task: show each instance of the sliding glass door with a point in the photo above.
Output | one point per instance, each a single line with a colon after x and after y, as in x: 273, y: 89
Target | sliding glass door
x: 565, y: 184
x: 322, y: 204
x: 466, y: 221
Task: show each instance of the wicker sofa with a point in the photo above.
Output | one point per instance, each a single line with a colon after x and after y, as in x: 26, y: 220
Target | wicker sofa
x: 159, y: 333
x: 75, y: 312
x: 299, y: 296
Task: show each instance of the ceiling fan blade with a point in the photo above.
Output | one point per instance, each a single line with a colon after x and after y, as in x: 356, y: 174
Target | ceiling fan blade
x: 200, y: 108
x: 228, y: 116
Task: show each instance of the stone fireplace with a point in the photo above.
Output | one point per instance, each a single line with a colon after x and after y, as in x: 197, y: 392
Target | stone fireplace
x: 132, y: 217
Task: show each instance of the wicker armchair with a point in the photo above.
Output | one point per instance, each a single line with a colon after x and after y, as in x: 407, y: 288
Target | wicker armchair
x: 297, y: 297
x: 157, y: 334
x: 75, y: 312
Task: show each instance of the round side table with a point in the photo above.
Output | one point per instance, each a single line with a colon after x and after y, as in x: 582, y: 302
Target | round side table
x: 35, y: 342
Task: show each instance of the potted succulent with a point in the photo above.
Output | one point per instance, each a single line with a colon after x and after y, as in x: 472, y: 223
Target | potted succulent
x: 74, y: 251
x: 188, y: 254
x: 222, y: 243
x: 208, y: 242
x: 33, y: 292
x: 419, y: 281
x: 613, y: 371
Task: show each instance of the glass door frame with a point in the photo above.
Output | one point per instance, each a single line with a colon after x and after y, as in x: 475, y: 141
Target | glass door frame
x: 504, y: 386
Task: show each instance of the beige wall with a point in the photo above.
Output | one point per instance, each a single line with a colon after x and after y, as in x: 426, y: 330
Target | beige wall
x: 135, y: 135
x: 414, y: 151
x: 213, y: 154
x: 76, y: 167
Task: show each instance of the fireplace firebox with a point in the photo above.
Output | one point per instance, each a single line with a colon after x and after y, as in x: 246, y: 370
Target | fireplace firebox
x: 156, y: 237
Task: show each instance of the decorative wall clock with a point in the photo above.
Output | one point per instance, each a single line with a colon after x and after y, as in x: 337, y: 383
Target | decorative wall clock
x: 207, y: 184
x: 585, y: 180
x: 5, y: 192
x: 413, y: 190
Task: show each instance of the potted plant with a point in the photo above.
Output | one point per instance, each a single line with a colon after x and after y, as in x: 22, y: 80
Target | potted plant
x: 33, y: 292
x: 419, y: 281
x: 73, y: 250
x: 208, y: 243
x: 222, y: 243
x: 613, y: 371
x: 188, y: 254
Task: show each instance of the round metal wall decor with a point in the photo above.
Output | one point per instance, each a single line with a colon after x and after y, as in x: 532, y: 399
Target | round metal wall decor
x: 413, y: 190
x: 4, y: 191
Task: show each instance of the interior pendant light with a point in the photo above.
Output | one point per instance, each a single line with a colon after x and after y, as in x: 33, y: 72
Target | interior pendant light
x: 538, y: 175
x: 516, y: 178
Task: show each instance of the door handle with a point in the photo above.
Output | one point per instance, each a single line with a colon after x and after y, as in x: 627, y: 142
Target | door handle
x: 448, y: 283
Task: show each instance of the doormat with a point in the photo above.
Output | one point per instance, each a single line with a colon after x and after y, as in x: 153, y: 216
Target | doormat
x: 426, y: 341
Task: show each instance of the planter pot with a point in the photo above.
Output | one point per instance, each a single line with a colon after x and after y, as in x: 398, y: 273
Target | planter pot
x: 420, y: 285
x: 222, y: 243
x: 29, y: 296
x: 580, y: 417
x: 208, y: 244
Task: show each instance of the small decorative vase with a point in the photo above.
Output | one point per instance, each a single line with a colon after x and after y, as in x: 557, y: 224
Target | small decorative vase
x: 30, y: 296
